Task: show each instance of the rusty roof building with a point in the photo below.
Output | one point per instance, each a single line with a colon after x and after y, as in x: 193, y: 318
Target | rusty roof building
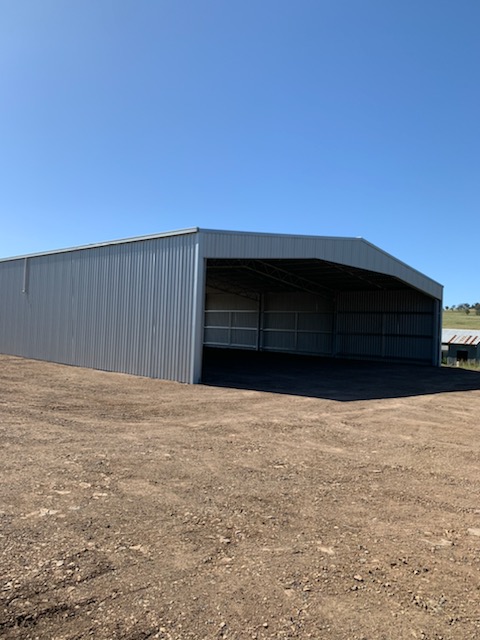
x: 460, y: 345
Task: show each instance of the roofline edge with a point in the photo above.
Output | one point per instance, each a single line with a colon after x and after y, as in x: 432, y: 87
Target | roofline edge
x: 107, y: 243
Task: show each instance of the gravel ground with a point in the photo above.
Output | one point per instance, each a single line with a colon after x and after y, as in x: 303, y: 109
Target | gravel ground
x: 310, y: 499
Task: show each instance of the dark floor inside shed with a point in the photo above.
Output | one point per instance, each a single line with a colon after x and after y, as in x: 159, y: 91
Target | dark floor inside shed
x: 329, y: 378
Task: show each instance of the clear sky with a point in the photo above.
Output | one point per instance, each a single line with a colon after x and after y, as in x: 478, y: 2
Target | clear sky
x: 122, y: 118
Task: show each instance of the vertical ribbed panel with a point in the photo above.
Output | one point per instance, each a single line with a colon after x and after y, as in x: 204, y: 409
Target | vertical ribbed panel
x: 121, y: 307
x: 383, y: 325
x: 293, y: 322
x: 391, y: 325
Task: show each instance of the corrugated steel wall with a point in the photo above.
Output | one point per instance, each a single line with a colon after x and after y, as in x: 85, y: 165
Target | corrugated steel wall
x: 293, y: 322
x: 231, y: 321
x: 297, y: 322
x: 389, y: 325
x: 123, y: 307
x: 393, y: 325
x: 455, y: 353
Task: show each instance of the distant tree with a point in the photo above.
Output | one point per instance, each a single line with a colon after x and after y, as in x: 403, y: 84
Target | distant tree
x: 476, y: 306
x: 465, y: 307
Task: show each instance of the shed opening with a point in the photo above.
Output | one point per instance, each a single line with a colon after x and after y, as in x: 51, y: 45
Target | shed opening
x: 315, y: 307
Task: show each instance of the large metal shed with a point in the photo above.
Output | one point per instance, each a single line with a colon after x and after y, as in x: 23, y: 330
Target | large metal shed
x: 149, y: 305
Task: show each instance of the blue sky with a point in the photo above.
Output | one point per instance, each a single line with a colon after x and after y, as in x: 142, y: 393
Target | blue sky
x: 121, y: 118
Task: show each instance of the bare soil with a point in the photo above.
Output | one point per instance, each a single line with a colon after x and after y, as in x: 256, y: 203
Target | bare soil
x: 310, y: 499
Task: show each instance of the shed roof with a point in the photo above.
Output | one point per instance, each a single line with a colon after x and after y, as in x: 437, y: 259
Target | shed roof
x: 362, y: 262
x: 351, y: 263
x: 461, y: 336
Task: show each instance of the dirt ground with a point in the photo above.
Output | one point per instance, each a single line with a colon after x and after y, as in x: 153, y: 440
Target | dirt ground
x: 309, y: 500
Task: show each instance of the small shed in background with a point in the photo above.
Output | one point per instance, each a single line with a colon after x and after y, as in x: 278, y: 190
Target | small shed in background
x: 460, y: 345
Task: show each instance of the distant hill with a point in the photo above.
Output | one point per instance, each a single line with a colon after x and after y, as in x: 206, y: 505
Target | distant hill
x: 460, y: 320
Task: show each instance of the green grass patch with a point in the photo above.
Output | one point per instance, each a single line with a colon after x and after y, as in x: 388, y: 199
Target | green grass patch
x: 460, y: 320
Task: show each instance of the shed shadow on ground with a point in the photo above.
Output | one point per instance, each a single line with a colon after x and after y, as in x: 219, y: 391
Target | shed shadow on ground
x: 331, y: 379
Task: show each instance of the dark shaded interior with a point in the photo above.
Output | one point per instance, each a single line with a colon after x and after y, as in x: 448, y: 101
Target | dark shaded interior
x: 328, y: 378
x: 247, y: 277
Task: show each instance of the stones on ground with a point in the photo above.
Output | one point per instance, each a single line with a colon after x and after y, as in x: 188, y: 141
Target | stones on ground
x: 47, y: 512
x: 327, y: 550
x: 138, y: 547
x: 438, y: 543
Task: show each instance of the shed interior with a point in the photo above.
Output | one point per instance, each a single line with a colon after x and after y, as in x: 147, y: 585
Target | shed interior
x: 316, y: 307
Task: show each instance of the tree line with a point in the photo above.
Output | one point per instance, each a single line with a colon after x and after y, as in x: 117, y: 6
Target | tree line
x: 465, y: 307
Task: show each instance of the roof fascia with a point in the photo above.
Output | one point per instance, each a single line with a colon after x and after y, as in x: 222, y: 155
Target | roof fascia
x: 154, y: 236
